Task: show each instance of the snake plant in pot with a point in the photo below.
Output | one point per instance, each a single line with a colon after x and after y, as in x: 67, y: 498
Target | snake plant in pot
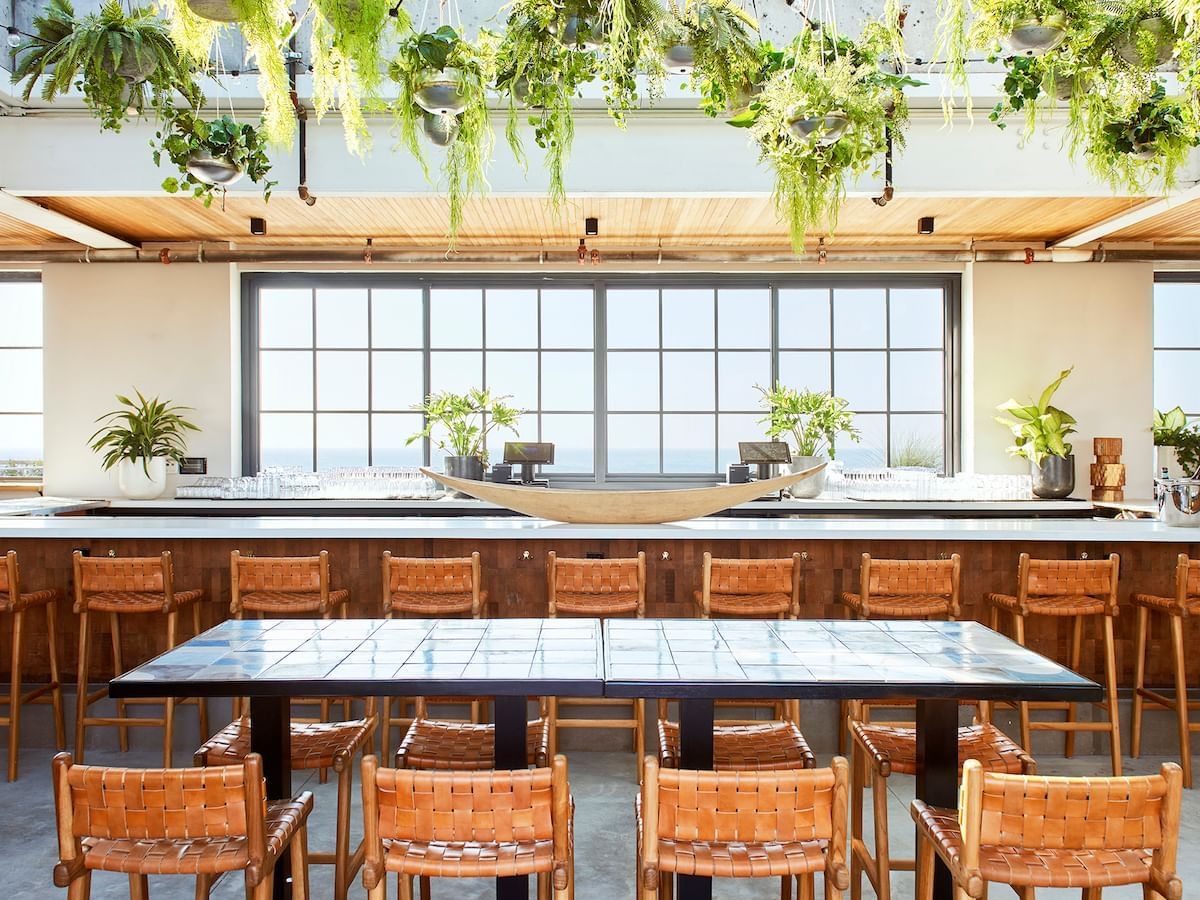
x: 211, y: 155
x: 1040, y: 433
x: 138, y: 439
x: 459, y: 424
x: 811, y: 422
x: 124, y: 62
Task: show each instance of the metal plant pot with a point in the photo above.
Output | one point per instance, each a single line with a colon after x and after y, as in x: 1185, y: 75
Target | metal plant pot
x: 680, y: 59
x: 1036, y: 37
x: 1054, y: 477
x: 1062, y: 87
x: 1179, y: 502
x: 743, y: 97
x: 820, y: 131
x: 1162, y: 33
x: 1144, y: 150
x: 131, y: 67
x: 580, y: 32
x: 809, y: 487
x: 442, y: 93
x: 440, y: 130
x: 213, y: 169
x: 470, y: 467
x: 213, y: 10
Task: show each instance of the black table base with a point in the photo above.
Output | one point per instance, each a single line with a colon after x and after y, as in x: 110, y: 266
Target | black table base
x: 937, y: 770
x: 271, y: 738
x: 512, y: 722
x: 695, y: 752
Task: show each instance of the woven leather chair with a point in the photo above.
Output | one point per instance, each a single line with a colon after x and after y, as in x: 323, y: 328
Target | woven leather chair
x: 315, y: 745
x: 743, y: 825
x: 123, y: 586
x: 761, y: 746
x: 468, y: 825
x: 465, y: 746
x: 1035, y: 832
x: 17, y: 603
x: 881, y: 750
x: 415, y: 587
x: 1078, y: 589
x: 193, y: 822
x: 603, y: 589
x: 1177, y: 609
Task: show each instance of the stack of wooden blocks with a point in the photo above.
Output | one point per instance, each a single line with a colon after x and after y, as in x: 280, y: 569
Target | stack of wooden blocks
x: 1108, y: 472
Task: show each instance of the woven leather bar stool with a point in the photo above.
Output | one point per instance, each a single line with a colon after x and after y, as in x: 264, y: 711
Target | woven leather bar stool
x: 17, y: 603
x: 762, y: 746
x: 193, y: 822
x: 315, y: 745
x: 1078, y: 589
x: 787, y: 824
x: 416, y: 587
x: 881, y: 750
x: 123, y: 586
x: 1036, y: 832
x: 602, y: 589
x: 1177, y: 609
x: 468, y: 825
x: 465, y: 746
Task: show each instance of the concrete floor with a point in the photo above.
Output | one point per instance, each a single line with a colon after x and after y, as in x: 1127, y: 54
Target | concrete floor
x: 603, y: 784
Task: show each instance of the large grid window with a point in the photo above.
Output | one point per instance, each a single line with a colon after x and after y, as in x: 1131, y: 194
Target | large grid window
x: 1177, y: 343
x: 633, y: 378
x: 21, y: 376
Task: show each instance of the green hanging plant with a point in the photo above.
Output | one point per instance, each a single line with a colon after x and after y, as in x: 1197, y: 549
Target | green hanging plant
x: 124, y: 63
x: 192, y: 34
x: 211, y: 155
x: 721, y: 41
x: 1139, y: 34
x: 539, y: 77
x: 717, y: 99
x: 823, y: 119
x: 1137, y: 136
x: 441, y: 75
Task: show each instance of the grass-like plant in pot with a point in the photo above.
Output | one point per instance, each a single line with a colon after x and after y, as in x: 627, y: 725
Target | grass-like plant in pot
x: 124, y: 62
x: 441, y: 75
x: 810, y: 421
x: 459, y: 424
x: 1040, y: 432
x: 539, y: 75
x: 1177, y: 443
x: 713, y: 41
x: 211, y: 155
x: 138, y: 439
x: 823, y: 119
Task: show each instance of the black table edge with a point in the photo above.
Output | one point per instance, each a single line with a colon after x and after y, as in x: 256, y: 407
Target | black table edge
x: 853, y: 690
x: 120, y: 688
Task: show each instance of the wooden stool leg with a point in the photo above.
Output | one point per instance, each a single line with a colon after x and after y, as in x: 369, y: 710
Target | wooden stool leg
x: 14, y: 696
x: 139, y: 887
x: 1076, y: 660
x: 552, y: 715
x: 543, y: 886
x: 424, y: 885
x: 265, y: 889
x: 925, y: 864
x: 1019, y: 635
x: 1110, y: 683
x: 883, y: 859
x: 857, y: 787
x: 403, y: 887
x: 1181, y: 699
x: 56, y: 691
x: 785, y: 887
x: 299, y: 856
x: 169, y: 703
x: 1139, y: 681
x: 81, y: 696
x: 118, y: 667
x: 807, y: 887
x: 639, y: 730
x: 341, y: 853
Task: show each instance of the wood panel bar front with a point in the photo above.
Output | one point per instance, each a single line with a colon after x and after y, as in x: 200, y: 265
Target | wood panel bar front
x: 517, y: 585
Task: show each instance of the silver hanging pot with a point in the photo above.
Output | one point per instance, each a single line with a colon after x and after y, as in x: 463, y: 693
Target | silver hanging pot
x: 679, y: 59
x: 211, y: 169
x: 132, y: 67
x: 819, y: 131
x: 577, y: 31
x: 441, y: 93
x: 1162, y: 32
x: 213, y: 10
x: 1036, y: 37
x: 741, y: 99
x: 1179, y: 502
x: 440, y: 130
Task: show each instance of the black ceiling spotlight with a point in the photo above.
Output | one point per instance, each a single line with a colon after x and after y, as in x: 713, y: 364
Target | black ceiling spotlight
x: 925, y: 225
x: 258, y: 225
x: 591, y: 226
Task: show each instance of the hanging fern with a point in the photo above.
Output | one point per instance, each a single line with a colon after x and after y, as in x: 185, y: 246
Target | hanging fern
x: 724, y: 42
x: 192, y: 34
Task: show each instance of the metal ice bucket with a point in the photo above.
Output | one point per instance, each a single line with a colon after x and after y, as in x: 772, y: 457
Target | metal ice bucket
x: 1179, y: 502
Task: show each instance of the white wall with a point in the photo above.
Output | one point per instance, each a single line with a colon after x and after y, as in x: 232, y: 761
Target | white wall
x: 166, y: 330
x: 1031, y: 322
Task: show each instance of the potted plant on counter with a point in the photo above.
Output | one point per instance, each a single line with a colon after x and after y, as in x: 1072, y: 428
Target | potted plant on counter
x: 812, y: 420
x: 1176, y: 443
x: 459, y: 424
x: 1040, y: 431
x: 139, y: 440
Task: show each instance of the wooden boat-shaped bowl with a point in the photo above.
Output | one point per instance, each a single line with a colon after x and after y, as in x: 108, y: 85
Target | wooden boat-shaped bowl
x: 601, y: 507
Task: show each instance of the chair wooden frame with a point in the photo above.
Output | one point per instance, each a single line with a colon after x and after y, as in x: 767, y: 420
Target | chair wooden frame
x: 148, y: 575
x: 17, y: 605
x: 1178, y: 610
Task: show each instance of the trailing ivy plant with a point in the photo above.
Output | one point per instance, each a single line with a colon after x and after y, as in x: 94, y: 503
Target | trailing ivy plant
x: 539, y: 76
x: 717, y: 99
x: 826, y: 77
x: 422, y: 56
x: 723, y: 38
x: 124, y: 63
x: 185, y: 136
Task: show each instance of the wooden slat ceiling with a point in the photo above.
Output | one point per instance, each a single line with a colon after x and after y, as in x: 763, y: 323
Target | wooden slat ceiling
x: 1179, y: 226
x: 630, y: 223
x: 15, y: 233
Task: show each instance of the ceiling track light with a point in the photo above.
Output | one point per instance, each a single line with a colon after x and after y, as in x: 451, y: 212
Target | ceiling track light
x: 925, y: 225
x: 258, y: 226
x: 591, y: 226
x: 14, y: 37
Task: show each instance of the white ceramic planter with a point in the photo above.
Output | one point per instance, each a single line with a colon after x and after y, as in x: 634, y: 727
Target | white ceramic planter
x: 810, y: 487
x: 136, y: 485
x: 1165, y: 459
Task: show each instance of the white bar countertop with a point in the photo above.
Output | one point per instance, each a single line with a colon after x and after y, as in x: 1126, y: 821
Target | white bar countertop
x: 480, y: 528
x: 47, y: 506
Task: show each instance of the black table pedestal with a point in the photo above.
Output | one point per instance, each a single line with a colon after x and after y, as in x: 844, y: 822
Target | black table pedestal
x: 695, y: 752
x: 937, y: 770
x: 271, y: 738
x: 512, y: 718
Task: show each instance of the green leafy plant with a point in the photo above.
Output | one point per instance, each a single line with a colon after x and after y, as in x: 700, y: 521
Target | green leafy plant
x: 1171, y: 429
x: 422, y: 56
x: 143, y: 430
x: 1039, y: 429
x: 185, y: 136
x: 124, y: 63
x: 717, y: 99
x: 723, y: 38
x: 1138, y: 136
x: 466, y: 420
x: 629, y: 33
x: 812, y: 419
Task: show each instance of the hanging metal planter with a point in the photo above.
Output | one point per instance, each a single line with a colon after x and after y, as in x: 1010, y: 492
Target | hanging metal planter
x: 1144, y: 150
x: 211, y: 169
x: 440, y: 131
x: 817, y: 131
x: 131, y: 67
x: 741, y: 99
x: 1036, y: 37
x: 577, y: 31
x: 679, y: 59
x: 213, y: 10
x: 1153, y: 32
x: 441, y: 93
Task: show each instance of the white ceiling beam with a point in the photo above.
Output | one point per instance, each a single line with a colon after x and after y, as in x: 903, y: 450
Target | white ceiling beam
x: 1143, y: 212
x: 30, y: 213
